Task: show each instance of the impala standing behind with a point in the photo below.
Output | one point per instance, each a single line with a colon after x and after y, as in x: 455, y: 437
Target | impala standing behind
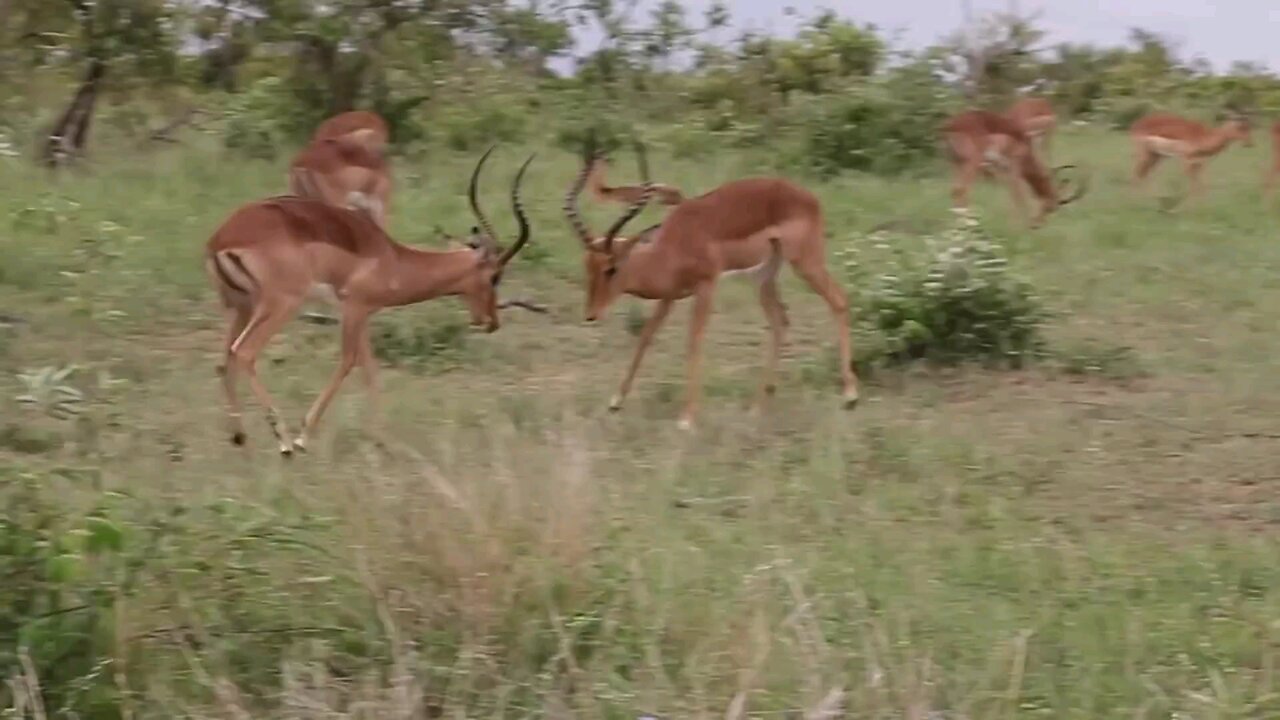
x: 346, y: 155
x: 271, y: 255
x: 979, y: 141
x: 1038, y: 121
x: 1161, y: 135
x: 362, y: 126
x: 749, y: 226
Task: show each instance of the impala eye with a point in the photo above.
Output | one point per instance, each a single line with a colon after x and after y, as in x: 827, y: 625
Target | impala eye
x: 611, y: 271
x: 497, y: 278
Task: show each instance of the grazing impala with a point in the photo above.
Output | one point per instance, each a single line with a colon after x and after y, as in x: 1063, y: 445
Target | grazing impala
x: 979, y: 141
x: 270, y: 255
x: 1160, y: 135
x: 1038, y: 121
x: 748, y: 225
x: 1273, y: 172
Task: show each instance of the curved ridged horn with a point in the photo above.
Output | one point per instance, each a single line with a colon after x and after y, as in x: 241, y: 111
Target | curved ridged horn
x: 521, y: 220
x: 491, y: 236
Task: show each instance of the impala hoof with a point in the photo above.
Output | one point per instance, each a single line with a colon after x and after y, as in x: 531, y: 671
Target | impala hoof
x: 286, y: 450
x: 237, y: 438
x: 850, y: 400
x: 615, y: 403
x: 685, y: 424
x: 300, y: 444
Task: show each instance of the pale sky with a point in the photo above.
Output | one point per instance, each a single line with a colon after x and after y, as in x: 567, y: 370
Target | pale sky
x: 1219, y: 30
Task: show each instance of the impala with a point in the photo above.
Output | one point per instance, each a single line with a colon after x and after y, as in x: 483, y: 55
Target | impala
x: 269, y: 256
x: 979, y: 141
x: 1160, y: 135
x: 1273, y: 172
x: 1038, y: 121
x: 367, y: 128
x: 332, y: 169
x: 747, y: 226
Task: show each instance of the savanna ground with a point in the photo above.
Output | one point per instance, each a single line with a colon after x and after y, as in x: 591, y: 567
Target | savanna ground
x: 1092, y: 536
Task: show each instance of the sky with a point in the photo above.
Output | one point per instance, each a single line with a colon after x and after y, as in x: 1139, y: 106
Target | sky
x: 1221, y: 31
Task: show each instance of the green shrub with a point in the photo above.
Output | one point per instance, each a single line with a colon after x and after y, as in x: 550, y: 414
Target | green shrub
x: 958, y: 302
x: 254, y: 126
x: 472, y: 127
x: 886, y: 126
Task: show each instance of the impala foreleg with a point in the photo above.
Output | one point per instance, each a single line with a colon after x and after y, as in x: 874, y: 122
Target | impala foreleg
x: 966, y: 173
x: 702, y: 303
x: 354, y: 329
x: 1144, y: 163
x: 651, y: 327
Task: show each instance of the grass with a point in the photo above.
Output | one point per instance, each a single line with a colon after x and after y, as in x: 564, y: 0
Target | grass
x: 1091, y: 537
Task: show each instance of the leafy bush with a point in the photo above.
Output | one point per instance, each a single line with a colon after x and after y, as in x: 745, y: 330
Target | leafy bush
x: 959, y: 303
x: 610, y: 133
x: 254, y: 126
x: 473, y: 126
x: 886, y: 126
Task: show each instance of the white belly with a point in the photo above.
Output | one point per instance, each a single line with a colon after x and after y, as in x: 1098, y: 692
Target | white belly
x: 1167, y: 147
x: 323, y: 293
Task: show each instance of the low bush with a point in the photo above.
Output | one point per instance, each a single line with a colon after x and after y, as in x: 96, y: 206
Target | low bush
x: 955, y: 302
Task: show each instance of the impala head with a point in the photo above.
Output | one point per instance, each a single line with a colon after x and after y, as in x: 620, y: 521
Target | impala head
x: 479, y: 287
x: 1054, y: 188
x: 605, y: 255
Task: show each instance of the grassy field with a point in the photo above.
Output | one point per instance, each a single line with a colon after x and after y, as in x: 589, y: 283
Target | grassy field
x: 1094, y: 536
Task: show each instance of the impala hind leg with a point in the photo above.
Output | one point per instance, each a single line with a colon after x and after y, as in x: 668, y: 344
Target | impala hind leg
x: 266, y: 321
x: 238, y: 317
x: 815, y: 273
x: 651, y: 327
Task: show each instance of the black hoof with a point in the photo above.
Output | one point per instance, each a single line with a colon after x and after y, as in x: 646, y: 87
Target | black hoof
x: 237, y: 438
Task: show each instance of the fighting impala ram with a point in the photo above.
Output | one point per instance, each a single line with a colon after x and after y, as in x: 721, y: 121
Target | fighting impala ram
x: 346, y: 155
x: 744, y: 226
x: 269, y: 256
x: 1160, y: 135
x: 1038, y: 121
x: 979, y: 141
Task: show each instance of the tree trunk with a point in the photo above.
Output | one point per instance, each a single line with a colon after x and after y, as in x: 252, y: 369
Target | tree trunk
x: 68, y: 137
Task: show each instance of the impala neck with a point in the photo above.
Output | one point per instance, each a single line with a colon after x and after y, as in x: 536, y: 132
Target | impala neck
x: 419, y: 275
x: 646, y: 272
x: 1219, y: 140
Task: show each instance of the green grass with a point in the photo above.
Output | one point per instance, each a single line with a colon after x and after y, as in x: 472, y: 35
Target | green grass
x: 1094, y: 536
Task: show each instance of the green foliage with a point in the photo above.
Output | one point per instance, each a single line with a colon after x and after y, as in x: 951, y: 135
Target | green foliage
x: 471, y: 128
x: 887, y: 126
x: 62, y: 578
x: 958, y: 302
x: 255, y: 119
x: 419, y: 345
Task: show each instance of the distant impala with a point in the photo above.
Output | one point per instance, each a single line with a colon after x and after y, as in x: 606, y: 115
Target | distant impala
x: 1161, y: 135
